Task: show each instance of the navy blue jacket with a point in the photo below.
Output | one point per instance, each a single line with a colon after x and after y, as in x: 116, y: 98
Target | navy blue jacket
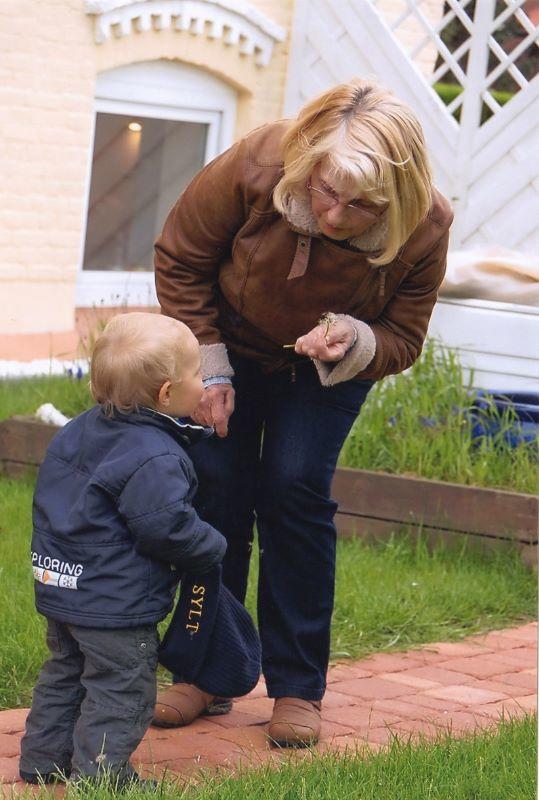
x: 113, y: 521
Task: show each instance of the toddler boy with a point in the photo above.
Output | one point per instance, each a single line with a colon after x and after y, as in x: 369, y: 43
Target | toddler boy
x: 113, y: 529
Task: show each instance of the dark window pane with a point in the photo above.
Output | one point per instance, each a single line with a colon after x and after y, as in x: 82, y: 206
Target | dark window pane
x: 136, y: 177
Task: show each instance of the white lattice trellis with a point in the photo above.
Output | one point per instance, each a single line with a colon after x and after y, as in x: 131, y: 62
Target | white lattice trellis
x: 484, y: 153
x: 481, y: 24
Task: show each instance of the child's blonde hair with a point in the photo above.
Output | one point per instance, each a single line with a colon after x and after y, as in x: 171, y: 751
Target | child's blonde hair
x: 367, y: 135
x: 133, y: 357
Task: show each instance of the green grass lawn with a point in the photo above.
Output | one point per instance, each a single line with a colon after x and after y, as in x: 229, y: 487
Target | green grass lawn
x: 412, y: 424
x: 483, y: 766
x: 388, y: 596
x: 480, y: 767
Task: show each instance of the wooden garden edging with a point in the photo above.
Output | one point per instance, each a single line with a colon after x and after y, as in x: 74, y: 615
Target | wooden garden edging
x: 372, y: 505
x: 23, y: 441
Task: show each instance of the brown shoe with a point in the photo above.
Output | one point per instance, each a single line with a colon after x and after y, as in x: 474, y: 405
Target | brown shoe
x: 182, y: 703
x: 295, y: 722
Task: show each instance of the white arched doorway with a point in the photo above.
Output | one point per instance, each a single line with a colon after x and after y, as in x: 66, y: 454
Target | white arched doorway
x: 155, y: 125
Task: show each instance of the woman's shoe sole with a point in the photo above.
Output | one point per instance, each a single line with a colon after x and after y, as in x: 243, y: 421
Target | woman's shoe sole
x: 299, y: 745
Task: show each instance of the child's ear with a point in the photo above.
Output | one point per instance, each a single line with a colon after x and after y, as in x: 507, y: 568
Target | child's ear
x: 164, y: 393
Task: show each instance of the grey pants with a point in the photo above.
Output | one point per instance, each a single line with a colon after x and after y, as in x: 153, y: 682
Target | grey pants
x: 93, y: 700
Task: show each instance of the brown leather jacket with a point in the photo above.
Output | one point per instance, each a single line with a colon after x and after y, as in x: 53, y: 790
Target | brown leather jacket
x: 243, y: 276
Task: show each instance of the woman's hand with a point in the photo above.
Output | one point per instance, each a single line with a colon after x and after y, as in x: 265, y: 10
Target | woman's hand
x: 332, y: 347
x: 216, y: 408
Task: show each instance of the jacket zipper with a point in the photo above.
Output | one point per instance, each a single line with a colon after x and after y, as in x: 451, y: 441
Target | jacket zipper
x: 382, y: 281
x: 292, y: 373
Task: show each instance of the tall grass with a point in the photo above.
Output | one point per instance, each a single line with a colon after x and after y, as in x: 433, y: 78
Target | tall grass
x: 412, y: 424
x: 418, y: 423
x: 70, y: 395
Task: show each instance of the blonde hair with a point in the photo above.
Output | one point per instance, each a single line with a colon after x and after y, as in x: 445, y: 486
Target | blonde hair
x: 370, y: 137
x: 133, y: 357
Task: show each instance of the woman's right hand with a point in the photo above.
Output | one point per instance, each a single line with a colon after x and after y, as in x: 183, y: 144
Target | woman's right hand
x: 216, y: 408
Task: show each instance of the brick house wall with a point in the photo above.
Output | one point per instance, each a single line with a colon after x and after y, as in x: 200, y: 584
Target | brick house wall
x: 47, y: 78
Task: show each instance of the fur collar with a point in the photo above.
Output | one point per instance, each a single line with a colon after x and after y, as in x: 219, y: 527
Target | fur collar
x: 299, y: 215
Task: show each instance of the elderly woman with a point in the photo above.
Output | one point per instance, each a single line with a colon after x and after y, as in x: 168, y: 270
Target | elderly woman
x: 307, y: 260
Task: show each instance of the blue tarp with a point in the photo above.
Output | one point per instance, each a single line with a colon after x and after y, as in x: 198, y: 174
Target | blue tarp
x: 516, y: 414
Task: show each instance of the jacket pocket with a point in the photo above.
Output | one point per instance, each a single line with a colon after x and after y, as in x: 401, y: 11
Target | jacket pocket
x: 385, y: 284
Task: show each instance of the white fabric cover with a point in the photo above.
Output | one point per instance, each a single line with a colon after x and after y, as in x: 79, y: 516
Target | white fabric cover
x: 492, y: 272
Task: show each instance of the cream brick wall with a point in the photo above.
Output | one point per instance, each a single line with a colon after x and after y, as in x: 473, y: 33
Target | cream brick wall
x: 47, y: 76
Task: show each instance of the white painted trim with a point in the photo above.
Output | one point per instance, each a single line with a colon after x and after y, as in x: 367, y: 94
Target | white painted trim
x: 162, y: 90
x: 130, y: 109
x: 489, y: 305
x: 470, y: 117
x: 492, y: 151
x: 498, y: 341
x: 172, y: 86
x: 234, y: 21
x: 509, y: 181
x: 79, y: 292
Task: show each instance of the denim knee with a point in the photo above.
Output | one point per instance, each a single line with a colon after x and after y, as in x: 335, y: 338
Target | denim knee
x: 297, y: 492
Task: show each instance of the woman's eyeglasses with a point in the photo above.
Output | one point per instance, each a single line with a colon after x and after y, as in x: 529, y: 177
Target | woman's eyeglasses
x: 356, y: 207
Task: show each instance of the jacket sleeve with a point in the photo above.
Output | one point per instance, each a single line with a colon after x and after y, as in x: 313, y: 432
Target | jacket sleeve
x: 197, y: 235
x: 394, y: 341
x: 155, y: 506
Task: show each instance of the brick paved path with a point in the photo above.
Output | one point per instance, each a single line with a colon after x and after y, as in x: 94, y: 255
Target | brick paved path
x: 443, y: 685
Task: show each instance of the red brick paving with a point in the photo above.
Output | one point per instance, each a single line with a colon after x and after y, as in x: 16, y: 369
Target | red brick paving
x: 520, y: 680
x: 457, y: 686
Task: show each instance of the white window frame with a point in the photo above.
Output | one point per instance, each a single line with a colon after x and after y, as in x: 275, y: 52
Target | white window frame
x: 152, y: 89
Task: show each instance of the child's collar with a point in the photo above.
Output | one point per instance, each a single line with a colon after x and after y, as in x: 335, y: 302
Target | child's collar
x: 189, y: 432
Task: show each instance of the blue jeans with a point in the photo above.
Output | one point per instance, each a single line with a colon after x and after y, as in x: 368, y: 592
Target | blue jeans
x: 277, y: 465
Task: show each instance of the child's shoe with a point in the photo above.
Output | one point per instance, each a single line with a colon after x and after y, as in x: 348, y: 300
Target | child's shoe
x: 55, y: 776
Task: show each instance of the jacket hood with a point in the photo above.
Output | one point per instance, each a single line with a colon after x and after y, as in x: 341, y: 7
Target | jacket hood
x: 299, y: 215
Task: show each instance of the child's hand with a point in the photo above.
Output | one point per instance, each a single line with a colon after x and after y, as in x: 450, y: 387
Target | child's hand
x: 216, y: 408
